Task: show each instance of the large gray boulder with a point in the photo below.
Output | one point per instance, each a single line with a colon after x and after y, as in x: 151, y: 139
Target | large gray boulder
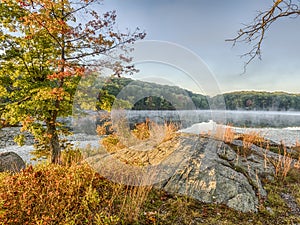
x: 200, y: 167
x: 11, y: 161
x: 214, y: 173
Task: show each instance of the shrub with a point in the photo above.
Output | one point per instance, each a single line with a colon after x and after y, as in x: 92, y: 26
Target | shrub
x: 112, y: 143
x: 70, y: 156
x: 67, y: 194
x: 50, y: 194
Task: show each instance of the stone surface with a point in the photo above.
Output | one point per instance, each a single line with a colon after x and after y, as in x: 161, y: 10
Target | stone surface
x: 200, y: 167
x: 291, y: 203
x: 11, y: 161
x: 8, y: 134
x: 214, y: 173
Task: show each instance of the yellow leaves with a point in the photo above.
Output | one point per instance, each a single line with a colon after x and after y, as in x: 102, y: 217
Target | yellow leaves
x: 3, y: 91
x: 56, y: 76
x: 20, y: 139
x: 48, y: 93
x: 47, y: 136
x: 25, y: 20
x: 28, y: 119
x: 79, y: 71
x: 42, y: 94
x: 40, y: 82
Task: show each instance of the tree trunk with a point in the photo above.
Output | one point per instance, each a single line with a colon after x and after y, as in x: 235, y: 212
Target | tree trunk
x: 54, y: 143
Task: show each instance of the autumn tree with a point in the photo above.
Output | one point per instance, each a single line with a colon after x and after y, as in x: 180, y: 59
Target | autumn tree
x: 46, y: 46
x: 255, y: 32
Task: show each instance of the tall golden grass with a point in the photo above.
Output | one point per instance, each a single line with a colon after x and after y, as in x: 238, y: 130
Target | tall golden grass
x: 146, y: 133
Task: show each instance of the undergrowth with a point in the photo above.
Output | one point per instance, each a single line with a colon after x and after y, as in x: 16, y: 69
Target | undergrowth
x: 67, y: 194
x: 73, y: 193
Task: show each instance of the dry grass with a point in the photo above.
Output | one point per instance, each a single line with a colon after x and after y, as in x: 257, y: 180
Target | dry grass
x: 252, y: 138
x: 148, y: 133
x: 296, y: 155
x: 229, y: 134
x: 47, y: 194
x: 283, y: 164
x: 224, y: 133
x: 71, y: 156
x: 142, y: 131
x: 133, y: 202
x: 297, y: 164
x: 106, y: 127
x: 73, y: 193
x: 112, y: 143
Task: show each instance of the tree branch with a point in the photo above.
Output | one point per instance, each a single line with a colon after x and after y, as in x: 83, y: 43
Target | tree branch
x: 254, y: 33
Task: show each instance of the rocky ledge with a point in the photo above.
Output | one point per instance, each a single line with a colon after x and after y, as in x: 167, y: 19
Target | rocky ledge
x: 201, y: 167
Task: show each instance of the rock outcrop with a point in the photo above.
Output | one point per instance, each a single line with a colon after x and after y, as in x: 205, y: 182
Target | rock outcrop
x: 11, y: 161
x: 201, y: 167
x: 215, y: 173
x: 8, y: 134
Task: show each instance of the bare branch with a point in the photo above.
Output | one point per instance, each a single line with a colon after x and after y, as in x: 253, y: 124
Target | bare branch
x: 254, y: 33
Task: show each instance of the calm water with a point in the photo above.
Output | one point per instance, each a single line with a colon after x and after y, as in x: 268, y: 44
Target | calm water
x: 257, y: 119
x: 276, y: 126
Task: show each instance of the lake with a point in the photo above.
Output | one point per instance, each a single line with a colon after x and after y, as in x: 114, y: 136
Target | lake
x: 276, y: 126
x: 257, y: 119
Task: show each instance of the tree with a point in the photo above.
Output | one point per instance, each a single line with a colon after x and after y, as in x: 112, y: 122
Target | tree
x: 254, y: 33
x: 46, y: 46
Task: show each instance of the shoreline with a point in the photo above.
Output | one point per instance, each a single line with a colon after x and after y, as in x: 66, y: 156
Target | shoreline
x: 289, y: 136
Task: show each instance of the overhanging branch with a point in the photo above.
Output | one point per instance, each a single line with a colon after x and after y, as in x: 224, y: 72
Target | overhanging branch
x: 254, y: 33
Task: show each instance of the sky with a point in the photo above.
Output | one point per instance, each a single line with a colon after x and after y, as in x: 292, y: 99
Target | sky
x: 202, y: 26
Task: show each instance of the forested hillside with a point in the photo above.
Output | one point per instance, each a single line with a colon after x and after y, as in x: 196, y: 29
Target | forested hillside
x: 152, y: 96
x: 130, y: 94
x: 253, y: 100
x: 160, y: 96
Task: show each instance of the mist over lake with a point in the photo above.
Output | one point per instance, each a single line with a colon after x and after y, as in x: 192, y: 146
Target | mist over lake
x: 186, y: 118
x: 274, y: 125
x: 278, y: 126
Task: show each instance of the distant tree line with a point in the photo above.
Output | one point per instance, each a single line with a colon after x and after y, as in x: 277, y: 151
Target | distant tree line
x: 267, y: 101
x: 165, y: 97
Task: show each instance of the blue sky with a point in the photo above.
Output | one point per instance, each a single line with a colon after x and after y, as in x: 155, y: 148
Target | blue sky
x: 203, y: 25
